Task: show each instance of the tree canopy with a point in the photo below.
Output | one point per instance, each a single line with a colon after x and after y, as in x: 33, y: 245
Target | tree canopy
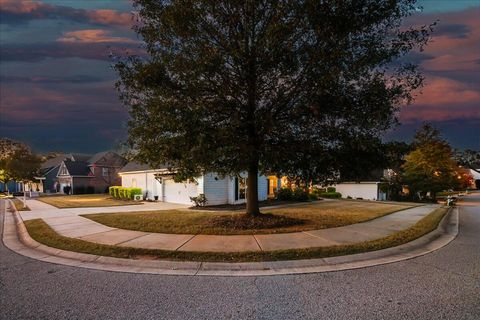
x: 272, y: 86
x: 430, y: 167
x: 17, y: 162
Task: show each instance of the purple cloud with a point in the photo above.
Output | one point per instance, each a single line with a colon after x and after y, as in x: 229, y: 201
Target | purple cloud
x: 16, y: 12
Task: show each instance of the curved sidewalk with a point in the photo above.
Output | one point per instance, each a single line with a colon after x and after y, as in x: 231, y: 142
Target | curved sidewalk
x: 70, y: 224
x: 16, y: 237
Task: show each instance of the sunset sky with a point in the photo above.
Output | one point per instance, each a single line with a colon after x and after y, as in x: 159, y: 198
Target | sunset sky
x: 57, y: 89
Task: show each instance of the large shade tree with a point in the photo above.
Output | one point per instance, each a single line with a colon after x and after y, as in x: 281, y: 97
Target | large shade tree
x: 266, y: 86
x: 17, y: 162
x: 430, y: 167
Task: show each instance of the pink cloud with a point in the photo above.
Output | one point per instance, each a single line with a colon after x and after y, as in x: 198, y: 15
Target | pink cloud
x: 452, y: 62
x: 107, y: 17
x: 441, y: 91
x: 14, y: 11
x: 93, y: 36
x: 15, y: 6
x: 444, y: 99
x: 452, y: 71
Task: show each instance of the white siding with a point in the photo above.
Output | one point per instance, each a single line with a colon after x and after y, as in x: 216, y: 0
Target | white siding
x: 146, y: 181
x: 262, y: 188
x: 215, y: 189
x: 366, y: 190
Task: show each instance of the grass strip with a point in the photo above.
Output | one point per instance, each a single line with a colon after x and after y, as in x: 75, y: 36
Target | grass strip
x: 279, y: 220
x: 19, y: 205
x: 85, y: 201
x: 41, y: 232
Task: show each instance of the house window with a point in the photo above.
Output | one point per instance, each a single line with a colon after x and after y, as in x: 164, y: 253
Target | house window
x: 105, y: 172
x: 240, y: 188
x: 134, y: 183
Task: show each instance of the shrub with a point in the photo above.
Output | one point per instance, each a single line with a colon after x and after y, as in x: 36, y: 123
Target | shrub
x: 199, y: 200
x: 127, y: 193
x: 285, y: 194
x: 299, y: 195
x: 115, y: 192
x: 119, y: 192
x: 331, y: 190
x: 331, y: 195
x: 312, y: 196
x: 135, y: 191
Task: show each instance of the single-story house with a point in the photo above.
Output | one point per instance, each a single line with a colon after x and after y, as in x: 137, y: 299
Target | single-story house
x: 159, y: 184
x: 476, y: 178
x: 367, y: 189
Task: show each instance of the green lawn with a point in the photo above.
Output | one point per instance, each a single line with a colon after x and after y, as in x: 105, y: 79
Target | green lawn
x: 318, y: 215
x: 42, y: 233
x: 85, y: 200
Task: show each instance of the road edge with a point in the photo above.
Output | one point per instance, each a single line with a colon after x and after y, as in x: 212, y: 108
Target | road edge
x: 17, y: 239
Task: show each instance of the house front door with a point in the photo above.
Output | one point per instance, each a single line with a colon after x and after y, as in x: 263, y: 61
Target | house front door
x: 272, y: 186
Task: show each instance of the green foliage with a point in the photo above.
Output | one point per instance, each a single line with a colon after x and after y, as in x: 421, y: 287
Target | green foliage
x: 331, y: 189
x: 135, y: 191
x: 265, y: 86
x: 312, y: 196
x: 299, y: 195
x: 119, y: 192
x: 430, y: 166
x: 17, y: 162
x: 331, y: 195
x: 199, y: 200
x: 284, y: 194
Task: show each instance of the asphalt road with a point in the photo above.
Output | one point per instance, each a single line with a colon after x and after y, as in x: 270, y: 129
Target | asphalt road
x: 441, y: 285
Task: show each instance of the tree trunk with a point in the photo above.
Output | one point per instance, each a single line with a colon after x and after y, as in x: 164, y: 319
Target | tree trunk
x: 253, y: 209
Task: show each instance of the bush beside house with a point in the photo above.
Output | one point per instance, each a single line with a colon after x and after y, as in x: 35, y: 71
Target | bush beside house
x: 118, y: 192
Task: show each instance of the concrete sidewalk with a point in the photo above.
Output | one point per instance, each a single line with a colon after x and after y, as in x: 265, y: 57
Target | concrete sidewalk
x: 67, y: 222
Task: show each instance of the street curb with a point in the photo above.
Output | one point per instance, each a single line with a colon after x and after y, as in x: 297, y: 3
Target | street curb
x: 17, y: 239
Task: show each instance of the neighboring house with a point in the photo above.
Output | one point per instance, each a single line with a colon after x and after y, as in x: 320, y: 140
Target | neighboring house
x: 11, y: 186
x: 476, y: 178
x: 159, y: 184
x: 86, y: 173
x: 49, y: 170
x: 368, y: 189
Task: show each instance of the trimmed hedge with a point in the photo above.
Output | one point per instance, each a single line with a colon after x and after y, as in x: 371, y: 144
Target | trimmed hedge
x: 124, y: 192
x: 288, y: 194
x: 333, y: 195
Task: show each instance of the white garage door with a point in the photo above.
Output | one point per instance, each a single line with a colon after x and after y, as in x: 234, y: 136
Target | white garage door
x: 179, y: 192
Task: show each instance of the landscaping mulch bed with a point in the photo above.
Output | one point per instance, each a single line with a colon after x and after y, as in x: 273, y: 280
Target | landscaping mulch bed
x: 243, y: 206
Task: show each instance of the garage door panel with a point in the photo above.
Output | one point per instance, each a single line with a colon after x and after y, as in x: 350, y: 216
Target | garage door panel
x: 179, y: 192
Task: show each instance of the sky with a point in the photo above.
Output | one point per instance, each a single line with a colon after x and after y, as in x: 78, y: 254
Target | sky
x: 57, y: 85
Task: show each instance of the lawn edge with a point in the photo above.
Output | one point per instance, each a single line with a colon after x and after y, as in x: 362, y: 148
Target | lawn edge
x: 130, y: 203
x: 91, y: 216
x: 17, y: 239
x: 42, y: 233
